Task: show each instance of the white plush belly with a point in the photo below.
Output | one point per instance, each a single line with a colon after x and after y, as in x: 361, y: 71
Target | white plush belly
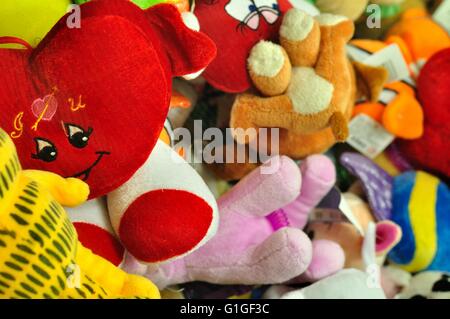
x: 309, y: 92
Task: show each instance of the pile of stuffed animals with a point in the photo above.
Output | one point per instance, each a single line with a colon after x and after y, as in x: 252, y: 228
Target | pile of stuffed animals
x: 332, y: 181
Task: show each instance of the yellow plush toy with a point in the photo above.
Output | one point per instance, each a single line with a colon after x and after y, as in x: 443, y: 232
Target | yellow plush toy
x: 40, y: 255
x: 30, y: 20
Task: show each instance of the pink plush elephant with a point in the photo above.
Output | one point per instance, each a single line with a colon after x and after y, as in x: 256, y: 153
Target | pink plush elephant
x: 260, y: 238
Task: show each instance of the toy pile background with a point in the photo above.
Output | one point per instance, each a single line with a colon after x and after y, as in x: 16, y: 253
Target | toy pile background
x: 98, y: 199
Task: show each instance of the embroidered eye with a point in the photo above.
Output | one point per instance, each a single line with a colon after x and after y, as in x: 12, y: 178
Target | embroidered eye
x: 78, y: 137
x: 45, y: 150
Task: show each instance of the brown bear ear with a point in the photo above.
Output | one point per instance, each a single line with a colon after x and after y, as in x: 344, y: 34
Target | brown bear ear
x: 188, y: 51
x: 370, y: 80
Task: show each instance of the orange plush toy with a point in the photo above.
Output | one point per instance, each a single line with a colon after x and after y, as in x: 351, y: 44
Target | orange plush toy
x: 397, y: 109
x: 307, y: 86
x: 418, y: 36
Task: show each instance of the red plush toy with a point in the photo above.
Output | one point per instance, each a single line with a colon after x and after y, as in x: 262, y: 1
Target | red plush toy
x: 236, y: 26
x: 91, y: 103
x: 431, y: 152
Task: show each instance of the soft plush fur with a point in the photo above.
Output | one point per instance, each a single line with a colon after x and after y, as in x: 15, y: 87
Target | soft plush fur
x: 431, y: 152
x: 92, y: 219
x: 138, y: 207
x: 309, y: 95
x: 427, y: 285
x: 399, y: 284
x: 417, y: 32
x: 40, y: 253
x: 273, y: 248
x: 91, y: 103
x: 314, y: 94
x: 421, y: 206
x: 346, y: 284
x: 236, y: 26
x: 318, y: 177
x: 93, y: 225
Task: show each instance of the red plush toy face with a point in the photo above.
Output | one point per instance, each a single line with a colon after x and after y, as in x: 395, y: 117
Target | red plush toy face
x: 91, y: 102
x: 236, y: 26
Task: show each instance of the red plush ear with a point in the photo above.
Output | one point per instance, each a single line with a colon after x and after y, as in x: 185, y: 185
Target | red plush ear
x: 188, y: 51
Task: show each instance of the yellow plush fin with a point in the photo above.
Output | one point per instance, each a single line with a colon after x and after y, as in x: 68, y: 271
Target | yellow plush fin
x: 67, y: 191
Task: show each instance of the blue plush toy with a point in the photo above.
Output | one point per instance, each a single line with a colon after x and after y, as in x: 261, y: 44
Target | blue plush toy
x: 416, y: 201
x: 421, y: 206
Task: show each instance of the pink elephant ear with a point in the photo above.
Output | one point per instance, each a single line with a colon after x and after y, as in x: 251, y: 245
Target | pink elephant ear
x: 388, y: 234
x: 188, y: 51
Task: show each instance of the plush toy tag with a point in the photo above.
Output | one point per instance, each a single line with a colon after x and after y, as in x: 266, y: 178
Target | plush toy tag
x: 334, y: 208
x: 391, y: 58
x: 368, y: 249
x: 442, y: 15
x: 344, y: 207
x: 368, y: 136
x: 357, y: 54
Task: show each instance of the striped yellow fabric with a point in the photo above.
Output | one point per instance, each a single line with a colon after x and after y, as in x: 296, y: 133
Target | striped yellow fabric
x: 40, y: 255
x: 422, y: 215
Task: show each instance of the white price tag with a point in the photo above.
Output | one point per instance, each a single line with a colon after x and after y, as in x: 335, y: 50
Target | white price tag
x: 368, y: 136
x: 348, y: 212
x: 391, y: 58
x: 442, y: 15
x: 357, y: 54
x: 368, y: 249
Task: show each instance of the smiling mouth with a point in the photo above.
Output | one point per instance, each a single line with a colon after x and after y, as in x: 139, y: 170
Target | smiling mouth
x: 84, y: 175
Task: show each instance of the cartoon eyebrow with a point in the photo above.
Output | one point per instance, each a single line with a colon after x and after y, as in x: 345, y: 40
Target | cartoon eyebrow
x: 269, y: 9
x: 243, y: 11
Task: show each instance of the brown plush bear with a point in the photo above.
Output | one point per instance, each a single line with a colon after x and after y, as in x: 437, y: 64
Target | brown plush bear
x: 307, y: 86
